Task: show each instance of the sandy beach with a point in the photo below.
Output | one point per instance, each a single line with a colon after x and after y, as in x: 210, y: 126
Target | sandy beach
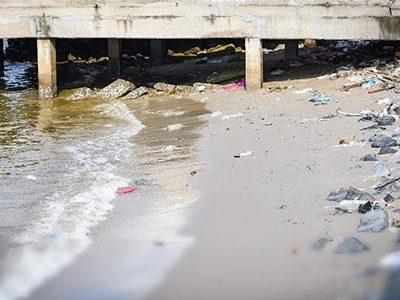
x: 238, y: 227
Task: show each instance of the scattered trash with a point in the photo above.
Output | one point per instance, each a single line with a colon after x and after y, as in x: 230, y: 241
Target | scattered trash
x: 227, y: 117
x: 364, y: 208
x: 193, y: 173
x: 233, y: 86
x: 351, y: 245
x: 283, y: 206
x: 216, y: 114
x: 346, y: 140
x: 31, y: 177
x: 282, y: 115
x: 374, y: 220
x: 320, y: 98
x: 388, y: 198
x: 384, y: 101
x: 174, y: 127
x: 277, y: 72
x: 303, y: 91
x: 243, y: 154
x: 126, y: 189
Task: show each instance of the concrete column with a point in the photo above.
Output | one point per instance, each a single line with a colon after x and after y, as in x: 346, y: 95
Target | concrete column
x: 291, y: 49
x: 47, y: 67
x: 254, y: 64
x: 1, y: 56
x: 115, y: 56
x: 158, y: 51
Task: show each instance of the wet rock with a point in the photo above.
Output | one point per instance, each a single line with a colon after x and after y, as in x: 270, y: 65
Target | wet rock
x: 164, y: 87
x: 82, y: 93
x: 374, y: 220
x: 351, y: 245
x: 319, y: 244
x: 385, y: 151
x: 381, y: 170
x: 349, y: 193
x: 388, y: 198
x: 383, y: 142
x: 117, y: 89
x: 386, y: 120
x: 139, y: 92
x: 369, y: 157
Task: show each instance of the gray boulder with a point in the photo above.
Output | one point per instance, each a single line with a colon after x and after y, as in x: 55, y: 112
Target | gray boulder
x: 349, y: 193
x: 369, y: 157
x: 386, y: 120
x: 319, y: 244
x: 383, y: 142
x: 117, y: 89
x: 374, y: 220
x: 351, y: 245
x: 385, y: 151
x: 381, y: 170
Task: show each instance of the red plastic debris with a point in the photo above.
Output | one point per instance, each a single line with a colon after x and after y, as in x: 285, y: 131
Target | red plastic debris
x: 125, y: 189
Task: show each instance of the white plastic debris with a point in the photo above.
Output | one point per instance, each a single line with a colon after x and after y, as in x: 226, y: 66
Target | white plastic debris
x: 31, y: 177
x: 227, y: 117
x: 174, y: 127
x: 169, y: 148
x: 384, y: 101
x: 304, y: 91
x: 216, y: 114
x: 243, y: 154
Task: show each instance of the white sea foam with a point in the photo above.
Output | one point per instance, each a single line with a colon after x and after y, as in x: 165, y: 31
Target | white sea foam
x: 174, y: 127
x: 62, y: 233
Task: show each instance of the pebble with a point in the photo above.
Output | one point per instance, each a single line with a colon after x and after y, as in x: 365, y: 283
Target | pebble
x: 370, y: 157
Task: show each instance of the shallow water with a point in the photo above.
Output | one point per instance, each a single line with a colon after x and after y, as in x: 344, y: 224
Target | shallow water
x: 61, y: 163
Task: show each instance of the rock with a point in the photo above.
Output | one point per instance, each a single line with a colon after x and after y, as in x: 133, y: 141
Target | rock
x: 136, y: 93
x: 394, y: 217
x: 319, y: 244
x: 383, y: 142
x: 385, y: 151
x: 386, y: 120
x: 349, y: 193
x: 350, y: 206
x: 183, y: 89
x: 117, y: 89
x: 381, y: 170
x: 333, y: 211
x: 164, y: 87
x: 82, y: 93
x: 374, y: 220
x: 370, y: 157
x: 387, y: 187
x: 201, y: 87
x: 351, y: 245
x: 394, y: 109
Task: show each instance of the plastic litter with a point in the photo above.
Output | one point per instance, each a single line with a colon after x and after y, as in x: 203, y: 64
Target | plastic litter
x: 125, y: 190
x: 364, y: 208
x: 243, y: 154
x: 320, y: 98
x: 233, y: 86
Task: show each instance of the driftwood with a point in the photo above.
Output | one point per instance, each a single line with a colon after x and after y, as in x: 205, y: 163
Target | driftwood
x: 387, y: 183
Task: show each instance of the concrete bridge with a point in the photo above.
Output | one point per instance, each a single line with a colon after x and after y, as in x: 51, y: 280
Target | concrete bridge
x: 252, y: 20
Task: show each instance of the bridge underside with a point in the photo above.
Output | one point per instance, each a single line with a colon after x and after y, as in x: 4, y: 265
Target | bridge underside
x: 252, y: 20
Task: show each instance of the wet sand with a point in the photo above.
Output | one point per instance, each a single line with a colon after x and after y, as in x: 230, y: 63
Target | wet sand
x: 234, y: 242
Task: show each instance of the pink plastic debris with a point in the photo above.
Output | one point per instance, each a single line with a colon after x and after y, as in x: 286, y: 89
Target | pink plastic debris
x: 233, y: 86
x: 125, y: 189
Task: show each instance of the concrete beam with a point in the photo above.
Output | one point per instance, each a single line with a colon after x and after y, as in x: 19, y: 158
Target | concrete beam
x: 254, y: 64
x: 115, y: 56
x: 158, y: 51
x: 47, y: 67
x: 291, y: 49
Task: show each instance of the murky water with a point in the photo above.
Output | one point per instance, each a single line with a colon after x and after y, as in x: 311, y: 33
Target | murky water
x: 61, y: 163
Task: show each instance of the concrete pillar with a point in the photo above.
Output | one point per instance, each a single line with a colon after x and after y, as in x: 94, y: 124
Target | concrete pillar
x: 291, y: 49
x: 254, y: 64
x: 158, y: 51
x: 1, y: 56
x: 47, y: 67
x: 115, y: 56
